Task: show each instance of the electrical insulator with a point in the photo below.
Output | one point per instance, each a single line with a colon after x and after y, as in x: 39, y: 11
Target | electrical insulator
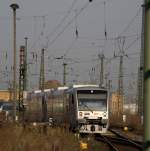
x: 76, y: 33
x: 90, y: 1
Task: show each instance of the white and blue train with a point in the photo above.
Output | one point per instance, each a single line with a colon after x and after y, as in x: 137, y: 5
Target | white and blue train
x: 84, y: 108
x: 87, y: 109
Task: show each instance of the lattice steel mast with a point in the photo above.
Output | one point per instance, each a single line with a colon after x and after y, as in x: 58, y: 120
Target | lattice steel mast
x: 41, y: 86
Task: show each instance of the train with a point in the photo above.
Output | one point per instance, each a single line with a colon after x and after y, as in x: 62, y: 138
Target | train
x: 88, y: 109
x: 55, y: 107
x: 84, y: 108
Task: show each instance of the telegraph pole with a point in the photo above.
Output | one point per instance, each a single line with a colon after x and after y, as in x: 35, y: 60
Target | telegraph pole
x: 101, y: 57
x: 42, y: 81
x: 147, y: 77
x: 14, y: 7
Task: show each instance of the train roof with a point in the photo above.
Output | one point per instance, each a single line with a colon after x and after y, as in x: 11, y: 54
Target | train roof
x: 62, y: 88
x: 45, y: 90
x: 49, y: 90
x: 84, y: 85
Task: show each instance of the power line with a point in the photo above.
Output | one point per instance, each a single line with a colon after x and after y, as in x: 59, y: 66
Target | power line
x: 63, y: 19
x: 70, y: 46
x: 131, y: 44
x: 62, y: 31
x: 131, y: 21
x: 58, y: 26
x: 109, y: 38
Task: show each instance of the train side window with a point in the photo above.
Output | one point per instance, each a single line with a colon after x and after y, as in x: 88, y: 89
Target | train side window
x: 72, y: 98
x: 67, y: 96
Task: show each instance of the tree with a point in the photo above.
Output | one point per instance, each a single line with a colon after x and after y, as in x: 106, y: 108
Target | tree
x: 52, y: 84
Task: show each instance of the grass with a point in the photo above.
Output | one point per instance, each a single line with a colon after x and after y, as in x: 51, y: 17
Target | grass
x: 132, y: 120
x: 15, y: 138
x: 33, y: 138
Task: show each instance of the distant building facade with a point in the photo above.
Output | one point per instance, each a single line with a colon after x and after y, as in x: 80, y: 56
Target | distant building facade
x: 5, y: 95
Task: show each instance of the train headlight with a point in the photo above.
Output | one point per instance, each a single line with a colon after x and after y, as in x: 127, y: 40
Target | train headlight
x: 80, y: 114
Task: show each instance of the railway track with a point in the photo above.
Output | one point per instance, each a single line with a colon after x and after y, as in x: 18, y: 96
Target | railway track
x: 108, y: 142
x: 119, y: 142
x: 123, y: 138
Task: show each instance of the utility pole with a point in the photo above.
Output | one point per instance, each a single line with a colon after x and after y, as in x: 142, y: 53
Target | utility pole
x: 140, y: 71
x: 41, y: 85
x: 120, y: 81
x: 64, y: 68
x: 41, y: 78
x: 64, y: 73
x: 101, y: 57
x: 25, y: 64
x: 147, y: 76
x: 121, y: 54
x: 14, y: 7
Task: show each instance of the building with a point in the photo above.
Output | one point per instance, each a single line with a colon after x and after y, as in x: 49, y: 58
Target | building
x: 5, y: 95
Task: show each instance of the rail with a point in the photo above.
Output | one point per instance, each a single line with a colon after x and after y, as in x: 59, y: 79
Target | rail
x: 108, y: 142
x: 123, y: 139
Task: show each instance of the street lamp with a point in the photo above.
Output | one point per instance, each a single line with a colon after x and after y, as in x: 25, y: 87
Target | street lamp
x: 14, y: 7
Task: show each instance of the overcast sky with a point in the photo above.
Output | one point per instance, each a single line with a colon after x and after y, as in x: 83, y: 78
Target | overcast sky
x: 54, y: 24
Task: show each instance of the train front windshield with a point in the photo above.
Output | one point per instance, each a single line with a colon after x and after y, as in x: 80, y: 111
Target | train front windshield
x: 92, y: 100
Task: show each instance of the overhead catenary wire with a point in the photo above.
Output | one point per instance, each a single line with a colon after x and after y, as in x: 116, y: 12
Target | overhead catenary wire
x: 131, y: 21
x: 69, y: 23
x: 109, y: 38
x: 58, y: 26
x: 63, y: 19
x: 30, y: 17
x: 133, y: 42
x: 126, y: 28
x: 70, y: 46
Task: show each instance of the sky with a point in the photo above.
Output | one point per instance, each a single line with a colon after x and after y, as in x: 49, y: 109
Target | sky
x: 78, y: 31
